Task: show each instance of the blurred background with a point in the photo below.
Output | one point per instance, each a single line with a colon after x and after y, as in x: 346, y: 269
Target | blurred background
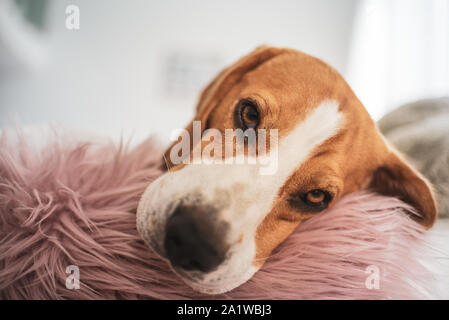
x: 134, y: 68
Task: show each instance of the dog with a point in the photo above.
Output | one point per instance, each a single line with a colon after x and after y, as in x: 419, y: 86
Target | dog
x: 217, y: 224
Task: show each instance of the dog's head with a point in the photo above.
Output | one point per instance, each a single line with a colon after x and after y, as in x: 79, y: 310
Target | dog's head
x: 216, y: 222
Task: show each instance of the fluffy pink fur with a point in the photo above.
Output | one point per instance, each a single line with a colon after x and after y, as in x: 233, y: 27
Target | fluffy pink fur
x: 75, y: 205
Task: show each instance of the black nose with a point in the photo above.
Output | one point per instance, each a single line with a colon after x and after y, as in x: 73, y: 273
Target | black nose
x: 190, y: 242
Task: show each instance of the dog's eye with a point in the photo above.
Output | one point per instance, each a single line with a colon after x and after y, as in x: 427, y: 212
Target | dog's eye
x: 315, y: 197
x: 313, y: 200
x: 246, y: 114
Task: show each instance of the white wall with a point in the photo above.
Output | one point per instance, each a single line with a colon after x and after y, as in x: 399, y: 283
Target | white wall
x: 400, y: 53
x: 136, y: 67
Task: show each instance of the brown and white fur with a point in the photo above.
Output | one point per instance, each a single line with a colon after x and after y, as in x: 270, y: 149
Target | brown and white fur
x: 327, y: 141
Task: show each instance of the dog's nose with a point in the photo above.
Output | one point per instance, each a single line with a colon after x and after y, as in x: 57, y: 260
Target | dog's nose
x: 189, y: 243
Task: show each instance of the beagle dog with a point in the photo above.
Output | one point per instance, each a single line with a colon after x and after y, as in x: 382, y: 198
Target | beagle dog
x: 217, y: 224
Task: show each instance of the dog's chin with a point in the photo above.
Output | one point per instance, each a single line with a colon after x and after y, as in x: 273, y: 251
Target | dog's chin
x: 209, y: 285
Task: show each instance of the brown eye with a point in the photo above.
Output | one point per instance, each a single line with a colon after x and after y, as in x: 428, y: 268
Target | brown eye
x: 312, y: 201
x: 246, y: 115
x: 315, y: 197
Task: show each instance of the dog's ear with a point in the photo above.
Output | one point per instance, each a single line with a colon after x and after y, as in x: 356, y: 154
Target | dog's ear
x: 398, y: 179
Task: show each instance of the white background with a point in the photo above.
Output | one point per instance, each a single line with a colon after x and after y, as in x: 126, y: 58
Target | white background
x: 136, y: 67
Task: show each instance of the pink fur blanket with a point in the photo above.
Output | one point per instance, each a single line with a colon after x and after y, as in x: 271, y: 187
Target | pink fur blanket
x: 74, y: 204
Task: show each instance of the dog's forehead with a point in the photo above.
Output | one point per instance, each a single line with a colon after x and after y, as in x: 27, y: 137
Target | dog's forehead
x: 298, y: 82
x: 292, y: 78
x: 287, y: 89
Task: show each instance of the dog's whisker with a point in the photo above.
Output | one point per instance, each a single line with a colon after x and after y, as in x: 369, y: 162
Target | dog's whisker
x: 166, y: 163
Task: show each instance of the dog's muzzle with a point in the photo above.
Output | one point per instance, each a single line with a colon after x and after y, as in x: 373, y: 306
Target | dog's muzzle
x: 203, y: 220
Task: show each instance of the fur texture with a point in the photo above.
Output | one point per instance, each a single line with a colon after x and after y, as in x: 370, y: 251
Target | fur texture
x: 74, y: 204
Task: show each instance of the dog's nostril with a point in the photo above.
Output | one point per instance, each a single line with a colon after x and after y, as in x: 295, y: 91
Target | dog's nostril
x: 176, y: 241
x: 187, y: 246
x: 194, y: 265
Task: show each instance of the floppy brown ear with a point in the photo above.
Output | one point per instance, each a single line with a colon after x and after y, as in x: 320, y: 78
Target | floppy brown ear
x: 398, y: 179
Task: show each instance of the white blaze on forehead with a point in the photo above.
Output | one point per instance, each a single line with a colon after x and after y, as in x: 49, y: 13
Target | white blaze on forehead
x: 321, y: 124
x: 242, y: 195
x: 260, y: 191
